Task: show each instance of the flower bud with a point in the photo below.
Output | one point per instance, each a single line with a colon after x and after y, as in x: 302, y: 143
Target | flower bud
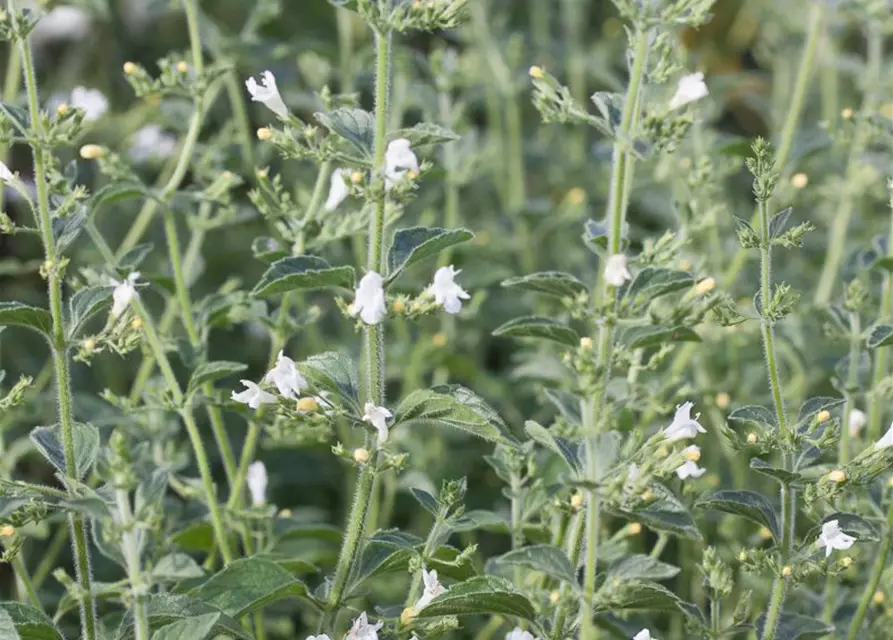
x: 576, y: 196
x: 705, y: 286
x: 130, y: 68
x: 586, y: 343
x: 799, y: 180
x: 847, y: 113
x: 439, y: 339
x: 684, y: 264
x: 182, y: 67
x: 136, y: 323
x: 837, y: 476
x: 7, y: 531
x: 577, y: 501
x: 647, y: 495
x: 786, y: 571
x: 356, y: 177
x: 307, y: 405
x: 751, y: 438
x: 360, y: 455
x: 823, y: 416
x: 635, y: 529
x: 89, y: 344
x: 765, y: 534
x: 879, y: 597
x: 846, y: 562
x: 399, y: 306
x: 264, y: 133
x: 694, y: 454
x: 742, y: 557
x: 62, y: 110
x: 536, y: 72
x: 407, y: 615
x: 285, y: 513
x: 723, y: 400
x: 92, y: 152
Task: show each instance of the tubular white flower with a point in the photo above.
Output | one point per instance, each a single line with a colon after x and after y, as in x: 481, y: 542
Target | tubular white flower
x: 338, y: 190
x: 691, y: 87
x: 92, y: 101
x: 683, y: 425
x: 369, y: 299
x: 690, y: 468
x: 399, y: 159
x: 150, y: 142
x: 362, y: 630
x: 124, y: 292
x: 644, y: 634
x: 267, y: 93
x: 446, y: 292
x: 857, y: 421
x: 833, y: 538
x: 256, y: 478
x: 886, y: 439
x: 519, y: 634
x: 286, y: 377
x: 253, y: 395
x: 433, y: 588
x: 616, y: 272
x: 378, y: 418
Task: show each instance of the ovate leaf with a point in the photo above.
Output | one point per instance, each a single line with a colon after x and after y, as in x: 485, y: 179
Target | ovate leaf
x: 653, y: 282
x: 635, y: 595
x: 247, y: 584
x: 665, y: 513
x: 754, y: 413
x: 175, y: 567
x: 549, y: 283
x: 881, y: 336
x: 540, y: 328
x: 542, y: 557
x: 797, y: 627
x: 354, y: 125
x: 48, y: 441
x: 333, y: 372
x: 425, y: 133
x: 303, y: 273
x: 564, y: 448
x: 482, y: 594
x: 643, y: 337
x: 165, y: 609
x: 211, y: 371
x: 196, y: 628
x: 66, y: 230
x: 23, y: 315
x: 637, y: 567
x: 747, y: 504
x: 22, y: 621
x: 85, y: 304
x: 415, y: 244
x: 455, y: 407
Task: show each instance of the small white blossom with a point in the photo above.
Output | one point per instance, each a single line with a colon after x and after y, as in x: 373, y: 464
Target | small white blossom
x: 62, y: 23
x: 446, y: 292
x: 256, y: 478
x: 362, y: 630
x: 92, y: 101
x: 690, y: 468
x: 150, y: 142
x: 267, y: 93
x: 253, y: 395
x: 616, y: 272
x: 378, y: 418
x: 5, y: 174
x: 369, y: 299
x: 399, y: 159
x: 322, y: 636
x: 857, y: 421
x: 286, y: 377
x: 124, y: 292
x: 683, y: 425
x: 691, y: 87
x: 644, y: 634
x: 833, y: 538
x: 632, y: 475
x: 338, y: 190
x: 886, y: 440
x: 433, y: 588
x: 519, y: 634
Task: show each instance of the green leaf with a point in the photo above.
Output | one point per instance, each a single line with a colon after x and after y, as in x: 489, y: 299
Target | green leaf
x: 481, y: 594
x: 247, y: 584
x: 797, y: 627
x: 411, y: 246
x: 539, y: 327
x: 653, y: 282
x: 211, y: 371
x: 753, y: 413
x: 85, y: 304
x: 665, y: 513
x: 638, y: 566
x: 354, y: 125
x: 881, y: 336
x: 779, y: 222
x: 455, y: 407
x: 747, y: 504
x: 165, y: 609
x: 22, y: 621
x: 196, y: 628
x: 568, y: 404
x: 116, y: 192
x: 17, y: 116
x: 23, y: 315
x: 48, y: 441
x: 385, y: 552
x: 542, y: 557
x: 642, y: 337
x: 66, y: 230
x: 812, y: 407
x: 549, y: 283
x: 634, y: 595
x: 134, y: 258
x: 564, y: 448
x: 302, y: 273
x: 425, y: 133
x: 175, y: 567
x: 428, y: 502
x: 782, y: 475
x: 333, y: 372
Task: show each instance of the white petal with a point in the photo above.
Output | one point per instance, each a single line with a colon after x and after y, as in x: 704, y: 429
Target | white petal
x: 256, y: 478
x: 338, y: 190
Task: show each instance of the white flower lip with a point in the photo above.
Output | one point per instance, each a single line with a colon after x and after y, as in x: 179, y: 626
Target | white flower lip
x: 832, y: 537
x: 616, y: 272
x: 124, y: 292
x: 683, y: 426
x: 338, y: 190
x: 378, y: 418
x: 267, y: 93
x: 433, y: 588
x: 362, y: 630
x: 286, y: 377
x: 369, y: 299
x: 446, y: 292
x: 253, y: 395
x: 691, y: 87
x: 399, y: 158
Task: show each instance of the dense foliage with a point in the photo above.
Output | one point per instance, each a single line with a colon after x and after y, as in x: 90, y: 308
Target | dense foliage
x: 446, y: 318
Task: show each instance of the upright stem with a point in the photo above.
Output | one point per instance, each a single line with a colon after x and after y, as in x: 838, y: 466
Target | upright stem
x: 574, y: 542
x: 130, y: 547
x: 881, y: 354
x: 373, y: 335
x: 57, y: 340
x: 573, y: 13
x: 847, y: 202
x: 26, y: 586
x: 880, y: 563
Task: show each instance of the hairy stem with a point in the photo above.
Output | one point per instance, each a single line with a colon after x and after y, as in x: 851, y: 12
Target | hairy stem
x: 880, y: 563
x: 130, y: 548
x: 881, y: 354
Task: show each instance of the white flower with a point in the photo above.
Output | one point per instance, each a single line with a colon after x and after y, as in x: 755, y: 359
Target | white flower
x: 683, y: 425
x: 378, y: 418
x: 833, y: 538
x: 256, y: 478
x: 691, y: 87
x: 338, y: 190
x: 616, y: 272
x: 369, y: 299
x: 632, y: 475
x: 5, y: 174
x: 446, y: 291
x: 690, y: 468
x: 286, y: 377
x: 92, y: 101
x: 151, y: 141
x: 268, y: 93
x: 857, y: 421
x: 433, y: 588
x: 124, y: 292
x: 399, y: 159
x: 519, y: 634
x: 62, y: 23
x: 253, y: 395
x: 362, y: 630
x: 319, y: 637
x: 886, y: 440
x: 644, y: 634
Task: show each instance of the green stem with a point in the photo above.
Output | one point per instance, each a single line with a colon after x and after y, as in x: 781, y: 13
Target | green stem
x: 661, y: 544
x: 881, y: 354
x: 847, y: 202
x: 236, y: 97
x: 57, y: 340
x: 12, y: 81
x: 775, y: 603
x: 27, y: 590
x: 880, y: 563
x: 49, y: 557
x: 574, y: 542
x: 573, y: 14
x: 130, y: 548
x: 373, y: 334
